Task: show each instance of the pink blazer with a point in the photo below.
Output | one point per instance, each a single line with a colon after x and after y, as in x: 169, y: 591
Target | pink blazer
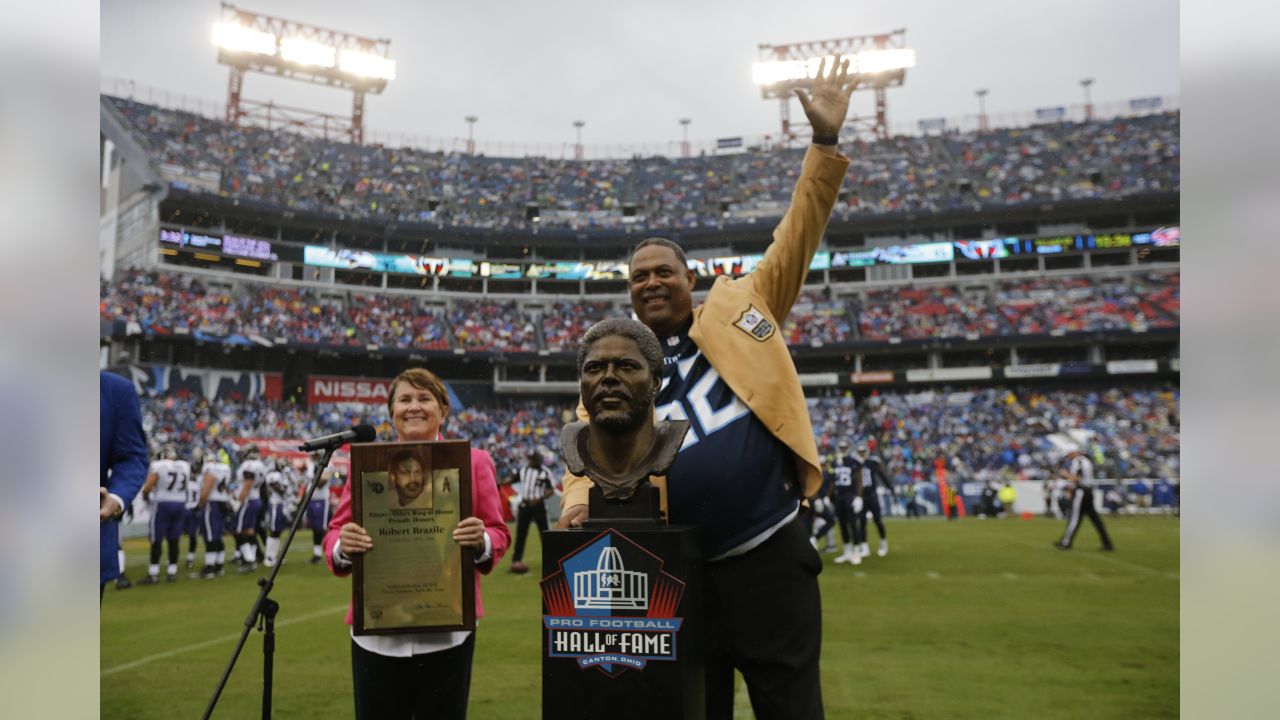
x: 484, y: 501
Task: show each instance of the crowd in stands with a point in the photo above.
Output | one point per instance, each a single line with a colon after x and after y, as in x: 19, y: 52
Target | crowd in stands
x: 564, y: 324
x: 493, y: 326
x: 926, y: 312
x: 816, y: 320
x: 990, y: 433
x: 1041, y: 305
x: 1111, y: 158
x: 1003, y: 433
x: 165, y: 303
x: 510, y: 434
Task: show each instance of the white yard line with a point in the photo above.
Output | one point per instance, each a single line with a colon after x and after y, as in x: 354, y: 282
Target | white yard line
x: 216, y: 641
x: 933, y: 575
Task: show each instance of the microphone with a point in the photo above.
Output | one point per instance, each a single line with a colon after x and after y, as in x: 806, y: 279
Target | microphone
x: 359, y: 433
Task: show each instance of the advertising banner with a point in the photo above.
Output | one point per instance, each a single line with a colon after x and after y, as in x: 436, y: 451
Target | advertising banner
x: 152, y: 380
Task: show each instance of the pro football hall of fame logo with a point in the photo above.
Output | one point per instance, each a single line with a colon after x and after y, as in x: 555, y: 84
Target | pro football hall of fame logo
x: 610, y: 606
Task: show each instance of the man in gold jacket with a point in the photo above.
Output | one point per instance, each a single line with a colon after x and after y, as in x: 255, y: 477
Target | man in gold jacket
x: 749, y: 457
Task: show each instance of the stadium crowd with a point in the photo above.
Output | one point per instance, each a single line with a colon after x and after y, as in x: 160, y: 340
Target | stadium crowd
x: 164, y: 303
x: 1000, y: 431
x: 1004, y: 432
x: 1111, y: 159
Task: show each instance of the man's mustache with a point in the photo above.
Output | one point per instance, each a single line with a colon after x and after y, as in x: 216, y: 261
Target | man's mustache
x: 605, y: 393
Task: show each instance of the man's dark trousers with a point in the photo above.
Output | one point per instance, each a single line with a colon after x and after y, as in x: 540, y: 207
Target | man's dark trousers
x: 537, y: 512
x: 764, y: 617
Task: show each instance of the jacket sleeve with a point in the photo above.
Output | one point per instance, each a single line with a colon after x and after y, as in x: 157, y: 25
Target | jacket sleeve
x: 485, y: 505
x: 128, y: 454
x: 780, y: 275
x: 341, y: 517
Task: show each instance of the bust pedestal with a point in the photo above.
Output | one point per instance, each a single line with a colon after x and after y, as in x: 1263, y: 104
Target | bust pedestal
x: 622, y: 622
x: 621, y: 604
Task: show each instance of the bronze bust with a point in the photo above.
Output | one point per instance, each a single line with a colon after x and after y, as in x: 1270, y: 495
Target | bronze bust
x: 620, y: 446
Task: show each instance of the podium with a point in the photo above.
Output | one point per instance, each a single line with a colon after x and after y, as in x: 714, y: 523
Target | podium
x: 622, y: 616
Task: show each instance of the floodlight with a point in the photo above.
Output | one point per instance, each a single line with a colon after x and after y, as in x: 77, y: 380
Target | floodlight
x: 867, y: 62
x: 252, y: 43
x: 367, y: 65
x: 307, y: 52
x: 874, y: 61
x: 235, y: 37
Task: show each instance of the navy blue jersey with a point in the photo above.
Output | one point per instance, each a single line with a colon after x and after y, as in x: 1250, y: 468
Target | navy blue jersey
x: 732, y: 478
x: 872, y: 471
x: 842, y: 471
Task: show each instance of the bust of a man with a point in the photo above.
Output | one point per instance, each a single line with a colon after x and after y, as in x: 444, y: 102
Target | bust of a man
x: 620, y: 447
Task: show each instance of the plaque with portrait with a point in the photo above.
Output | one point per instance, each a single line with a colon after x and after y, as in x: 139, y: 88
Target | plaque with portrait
x: 409, y: 496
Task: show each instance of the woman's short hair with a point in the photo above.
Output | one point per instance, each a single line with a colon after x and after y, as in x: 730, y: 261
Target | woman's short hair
x: 423, y: 379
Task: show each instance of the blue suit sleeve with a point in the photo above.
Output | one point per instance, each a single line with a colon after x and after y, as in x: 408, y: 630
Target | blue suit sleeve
x: 127, y: 457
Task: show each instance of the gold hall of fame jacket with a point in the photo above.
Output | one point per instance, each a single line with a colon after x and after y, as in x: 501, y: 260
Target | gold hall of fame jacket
x: 739, y: 325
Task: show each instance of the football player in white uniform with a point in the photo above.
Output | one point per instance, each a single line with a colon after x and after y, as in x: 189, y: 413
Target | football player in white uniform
x: 281, y: 490
x: 213, y: 506
x: 191, y: 522
x: 251, y: 474
x: 166, y: 490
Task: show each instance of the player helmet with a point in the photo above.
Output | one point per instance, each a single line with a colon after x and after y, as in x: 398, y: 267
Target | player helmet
x: 249, y: 452
x: 862, y: 447
x: 169, y: 451
x: 282, y: 463
x: 843, y: 445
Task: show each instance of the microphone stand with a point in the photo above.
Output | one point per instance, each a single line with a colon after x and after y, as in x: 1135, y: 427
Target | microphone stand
x: 264, y: 609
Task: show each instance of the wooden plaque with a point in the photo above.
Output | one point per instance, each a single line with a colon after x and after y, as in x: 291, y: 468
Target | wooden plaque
x: 409, y: 496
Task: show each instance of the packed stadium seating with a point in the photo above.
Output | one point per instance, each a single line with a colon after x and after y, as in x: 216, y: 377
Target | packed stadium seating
x: 1004, y: 430
x: 995, y: 430
x: 163, y: 303
x: 1103, y: 159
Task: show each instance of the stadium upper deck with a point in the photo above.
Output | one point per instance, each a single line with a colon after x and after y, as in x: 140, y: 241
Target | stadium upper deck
x: 1105, y: 160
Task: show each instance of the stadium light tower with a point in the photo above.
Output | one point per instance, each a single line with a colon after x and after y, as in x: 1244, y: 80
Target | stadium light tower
x: 881, y: 59
x: 471, y: 137
x: 684, y: 144
x: 577, y: 145
x: 1088, y: 103
x: 251, y: 42
x: 982, y: 108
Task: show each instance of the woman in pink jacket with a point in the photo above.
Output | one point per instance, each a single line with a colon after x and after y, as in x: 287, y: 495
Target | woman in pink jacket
x: 423, y: 675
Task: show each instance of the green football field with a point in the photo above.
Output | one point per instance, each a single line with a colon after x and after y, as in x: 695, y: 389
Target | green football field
x: 971, y: 619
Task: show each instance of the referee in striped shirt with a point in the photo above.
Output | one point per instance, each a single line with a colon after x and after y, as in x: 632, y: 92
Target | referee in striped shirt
x: 1079, y: 471
x: 533, y: 483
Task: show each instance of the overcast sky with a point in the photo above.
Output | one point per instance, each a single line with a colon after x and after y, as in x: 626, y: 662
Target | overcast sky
x: 528, y: 69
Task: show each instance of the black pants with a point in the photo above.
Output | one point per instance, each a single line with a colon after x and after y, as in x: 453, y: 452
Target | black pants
x: 1082, y: 504
x: 764, y: 618
x: 870, y: 504
x: 844, y: 512
x: 433, y: 686
x: 536, y: 512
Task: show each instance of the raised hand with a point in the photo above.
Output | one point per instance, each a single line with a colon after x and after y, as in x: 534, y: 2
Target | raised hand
x: 827, y: 103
